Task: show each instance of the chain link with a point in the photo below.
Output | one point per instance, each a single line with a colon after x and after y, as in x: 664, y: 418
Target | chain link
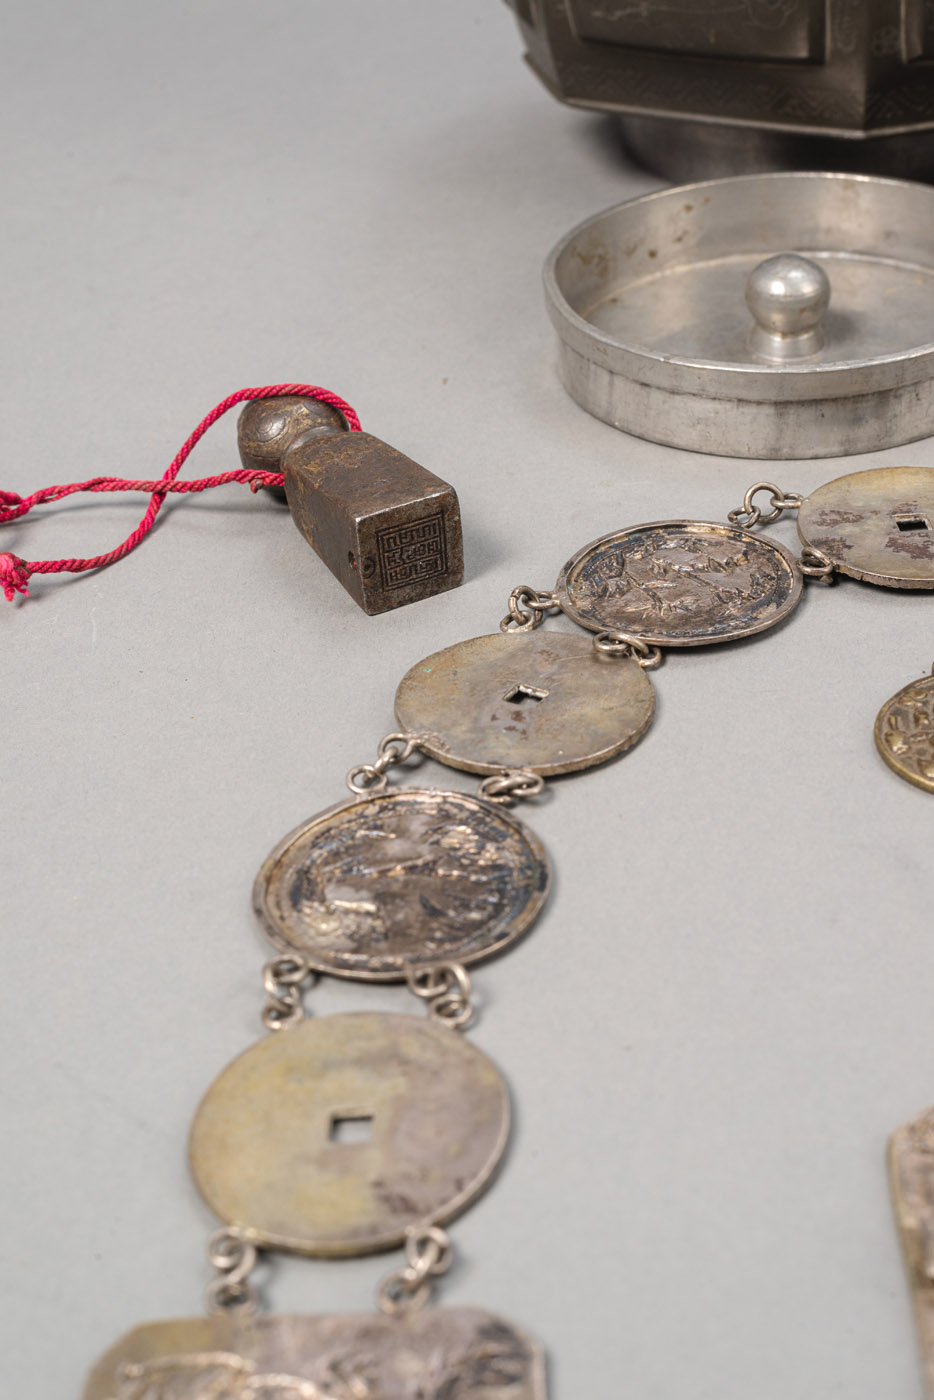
x: 234, y: 1257
x: 446, y: 988
x: 527, y: 609
x: 428, y: 1254
x: 815, y: 564
x: 282, y: 979
x: 625, y: 645
x: 749, y: 514
x: 513, y: 783
x: 369, y: 779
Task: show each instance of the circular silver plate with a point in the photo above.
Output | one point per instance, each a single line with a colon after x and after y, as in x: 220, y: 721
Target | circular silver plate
x: 543, y: 701
x: 904, y: 733
x: 373, y: 887
x: 655, y: 336
x: 272, y: 1149
x: 875, y: 525
x: 681, y: 583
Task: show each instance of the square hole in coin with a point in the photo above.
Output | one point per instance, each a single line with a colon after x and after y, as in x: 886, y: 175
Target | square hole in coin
x: 351, y: 1127
x: 518, y: 694
x: 912, y: 522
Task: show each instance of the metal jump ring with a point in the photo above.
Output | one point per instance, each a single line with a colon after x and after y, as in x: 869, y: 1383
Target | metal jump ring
x: 376, y: 782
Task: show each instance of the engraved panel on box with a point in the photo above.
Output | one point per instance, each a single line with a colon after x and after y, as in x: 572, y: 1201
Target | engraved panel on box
x: 793, y: 30
x: 369, y: 889
x: 461, y: 1353
x: 409, y: 553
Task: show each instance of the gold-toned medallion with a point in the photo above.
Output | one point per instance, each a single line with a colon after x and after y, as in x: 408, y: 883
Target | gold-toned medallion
x: 904, y: 733
x: 681, y: 583
x: 875, y: 525
x: 911, y: 1173
x: 372, y: 888
x: 334, y: 1136
x: 451, y: 1352
x: 545, y: 702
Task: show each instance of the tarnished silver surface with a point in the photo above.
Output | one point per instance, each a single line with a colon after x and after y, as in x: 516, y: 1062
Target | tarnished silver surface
x: 680, y: 150
x: 857, y: 69
x: 683, y: 583
x: 371, y: 888
x: 904, y: 733
x: 911, y: 1173
x: 268, y: 1150
x: 875, y: 525
x: 647, y: 299
x: 545, y: 702
x: 434, y: 1354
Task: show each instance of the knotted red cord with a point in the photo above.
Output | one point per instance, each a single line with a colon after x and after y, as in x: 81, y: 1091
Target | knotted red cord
x: 15, y: 572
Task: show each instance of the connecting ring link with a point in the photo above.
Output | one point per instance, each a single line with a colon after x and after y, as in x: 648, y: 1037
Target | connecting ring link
x: 234, y: 1257
x: 369, y: 779
x: 527, y: 609
x: 282, y: 979
x: 446, y: 988
x: 625, y: 645
x: 749, y: 514
x: 428, y: 1254
x: 507, y: 787
x: 815, y: 564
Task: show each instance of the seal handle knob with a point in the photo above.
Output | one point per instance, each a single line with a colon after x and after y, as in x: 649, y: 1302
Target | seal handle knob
x: 787, y: 295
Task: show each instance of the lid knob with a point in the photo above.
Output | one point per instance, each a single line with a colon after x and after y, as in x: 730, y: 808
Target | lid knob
x: 787, y: 295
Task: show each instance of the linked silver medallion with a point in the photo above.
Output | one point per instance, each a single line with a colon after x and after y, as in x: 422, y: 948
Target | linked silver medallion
x: 904, y: 733
x: 545, y: 702
x: 681, y: 583
x: 372, y: 888
x: 876, y: 525
x: 335, y: 1136
x: 460, y: 1353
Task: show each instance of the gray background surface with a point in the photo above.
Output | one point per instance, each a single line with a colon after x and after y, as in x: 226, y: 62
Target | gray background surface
x: 726, y: 1007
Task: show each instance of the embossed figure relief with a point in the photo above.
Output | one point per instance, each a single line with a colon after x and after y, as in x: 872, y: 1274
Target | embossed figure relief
x: 438, y: 1354
x: 682, y: 579
x: 211, y: 1376
x: 410, y: 878
x: 687, y: 584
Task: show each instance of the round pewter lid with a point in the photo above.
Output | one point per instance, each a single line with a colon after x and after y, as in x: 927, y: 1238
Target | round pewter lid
x: 774, y: 316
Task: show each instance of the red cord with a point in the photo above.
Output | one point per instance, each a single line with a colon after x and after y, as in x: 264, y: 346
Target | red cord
x: 15, y: 572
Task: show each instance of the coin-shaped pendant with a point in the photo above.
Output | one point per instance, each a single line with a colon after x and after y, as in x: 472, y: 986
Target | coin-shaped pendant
x: 270, y: 1148
x: 681, y: 583
x: 543, y: 701
x: 374, y: 887
x: 904, y: 732
x: 459, y: 1353
x: 876, y: 525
